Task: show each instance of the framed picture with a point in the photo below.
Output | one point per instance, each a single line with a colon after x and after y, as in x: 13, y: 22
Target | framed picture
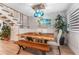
x: 44, y: 22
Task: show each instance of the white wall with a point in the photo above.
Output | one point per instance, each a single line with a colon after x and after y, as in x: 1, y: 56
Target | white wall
x: 37, y: 30
x: 73, y: 39
x: 34, y: 27
x: 14, y: 33
x: 33, y: 24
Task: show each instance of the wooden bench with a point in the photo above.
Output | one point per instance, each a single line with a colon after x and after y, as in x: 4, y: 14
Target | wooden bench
x: 39, y: 46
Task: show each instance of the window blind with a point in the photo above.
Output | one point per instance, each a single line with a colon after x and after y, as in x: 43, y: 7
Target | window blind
x: 74, y: 20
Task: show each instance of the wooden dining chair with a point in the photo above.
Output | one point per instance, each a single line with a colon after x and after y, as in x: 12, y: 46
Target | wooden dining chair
x: 57, y: 42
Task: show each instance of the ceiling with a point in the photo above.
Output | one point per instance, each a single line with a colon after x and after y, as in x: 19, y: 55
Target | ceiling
x: 26, y: 8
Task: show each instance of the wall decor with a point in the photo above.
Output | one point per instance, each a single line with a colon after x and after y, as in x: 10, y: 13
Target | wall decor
x: 44, y: 22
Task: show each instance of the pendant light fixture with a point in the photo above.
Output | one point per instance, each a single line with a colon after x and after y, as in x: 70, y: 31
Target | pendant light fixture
x: 38, y: 9
x: 38, y: 13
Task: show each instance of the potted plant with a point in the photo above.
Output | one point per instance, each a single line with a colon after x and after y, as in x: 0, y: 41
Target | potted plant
x: 6, y: 31
x: 60, y: 23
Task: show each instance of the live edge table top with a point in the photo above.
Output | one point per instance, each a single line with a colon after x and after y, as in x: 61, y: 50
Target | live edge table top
x: 38, y: 36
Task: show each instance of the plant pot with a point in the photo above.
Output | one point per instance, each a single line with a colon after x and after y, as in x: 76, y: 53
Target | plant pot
x: 62, y: 39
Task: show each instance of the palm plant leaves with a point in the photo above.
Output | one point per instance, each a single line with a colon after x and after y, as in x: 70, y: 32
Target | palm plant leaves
x: 60, y: 24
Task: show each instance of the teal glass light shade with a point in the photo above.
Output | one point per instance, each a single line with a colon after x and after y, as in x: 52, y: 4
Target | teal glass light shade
x: 38, y: 13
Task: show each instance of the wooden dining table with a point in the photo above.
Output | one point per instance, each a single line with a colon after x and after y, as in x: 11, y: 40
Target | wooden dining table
x: 42, y: 46
x: 38, y: 36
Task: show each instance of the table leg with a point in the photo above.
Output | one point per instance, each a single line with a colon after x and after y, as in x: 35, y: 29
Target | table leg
x: 23, y: 48
x: 45, y: 41
x: 19, y: 49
